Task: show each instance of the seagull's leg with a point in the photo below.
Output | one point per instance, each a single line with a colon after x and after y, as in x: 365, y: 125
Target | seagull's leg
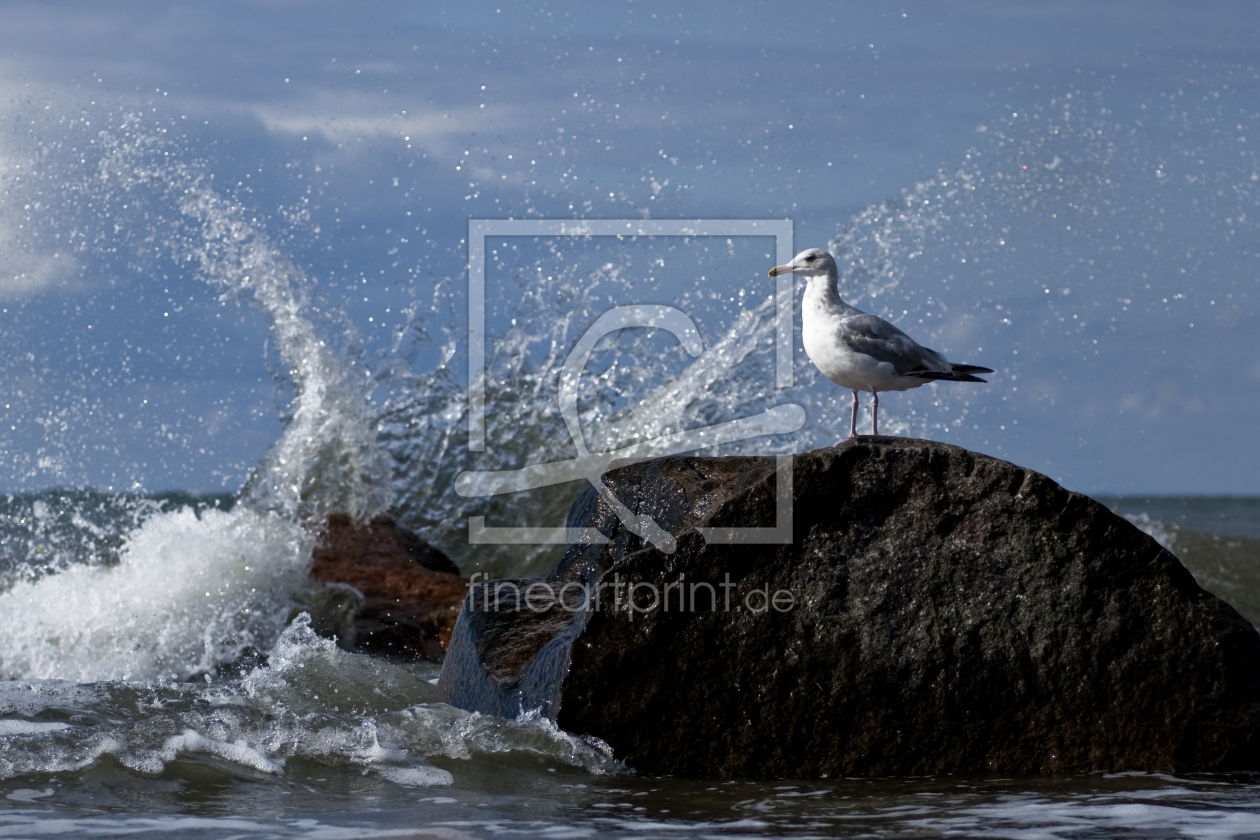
x: 853, y: 422
x: 874, y: 412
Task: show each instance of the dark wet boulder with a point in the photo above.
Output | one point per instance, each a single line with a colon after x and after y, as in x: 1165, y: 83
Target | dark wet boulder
x: 944, y: 612
x: 405, y: 593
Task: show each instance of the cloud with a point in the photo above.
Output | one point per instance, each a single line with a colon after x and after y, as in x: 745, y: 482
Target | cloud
x: 27, y: 273
x: 342, y: 118
x: 24, y: 270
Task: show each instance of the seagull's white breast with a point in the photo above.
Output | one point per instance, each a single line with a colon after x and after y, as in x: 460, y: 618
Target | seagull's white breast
x: 822, y: 331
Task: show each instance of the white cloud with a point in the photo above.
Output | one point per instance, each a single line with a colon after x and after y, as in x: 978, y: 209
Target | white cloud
x: 23, y: 269
x: 27, y: 273
x: 342, y: 119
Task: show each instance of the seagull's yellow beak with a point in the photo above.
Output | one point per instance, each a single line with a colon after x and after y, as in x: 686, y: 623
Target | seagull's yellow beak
x: 781, y: 269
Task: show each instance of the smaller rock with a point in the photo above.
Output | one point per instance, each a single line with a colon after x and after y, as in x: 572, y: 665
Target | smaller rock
x: 411, y: 591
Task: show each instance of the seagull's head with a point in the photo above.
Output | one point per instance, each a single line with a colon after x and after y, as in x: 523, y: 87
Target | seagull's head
x: 813, y: 262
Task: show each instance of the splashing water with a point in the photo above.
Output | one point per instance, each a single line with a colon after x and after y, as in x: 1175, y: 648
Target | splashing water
x: 641, y: 385
x: 188, y: 593
x: 312, y: 700
x: 189, y: 590
x: 935, y: 259
x: 327, y: 460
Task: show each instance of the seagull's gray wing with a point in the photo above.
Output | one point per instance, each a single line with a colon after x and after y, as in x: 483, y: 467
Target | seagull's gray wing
x: 875, y: 337
x: 880, y: 340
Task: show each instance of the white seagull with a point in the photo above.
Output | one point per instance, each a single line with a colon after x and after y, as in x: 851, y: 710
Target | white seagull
x: 860, y: 351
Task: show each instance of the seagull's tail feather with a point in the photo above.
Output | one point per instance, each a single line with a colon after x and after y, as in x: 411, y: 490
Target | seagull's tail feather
x: 957, y: 373
x: 948, y: 377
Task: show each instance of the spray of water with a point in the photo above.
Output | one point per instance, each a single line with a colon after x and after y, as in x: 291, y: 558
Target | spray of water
x: 327, y: 459
x: 188, y: 590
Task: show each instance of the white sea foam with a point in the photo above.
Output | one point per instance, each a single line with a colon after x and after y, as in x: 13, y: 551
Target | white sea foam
x: 307, y: 673
x: 240, y: 753
x: 34, y: 696
x: 26, y: 727
x: 312, y: 700
x: 28, y: 795
x: 188, y: 593
x: 417, y: 776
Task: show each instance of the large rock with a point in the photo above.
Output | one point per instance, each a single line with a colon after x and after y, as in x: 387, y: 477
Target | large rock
x: 408, y: 593
x: 950, y: 613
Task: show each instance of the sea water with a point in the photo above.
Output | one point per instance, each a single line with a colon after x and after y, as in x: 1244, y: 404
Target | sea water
x: 160, y: 673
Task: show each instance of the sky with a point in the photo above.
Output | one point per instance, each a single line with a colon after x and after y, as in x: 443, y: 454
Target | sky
x: 1064, y: 191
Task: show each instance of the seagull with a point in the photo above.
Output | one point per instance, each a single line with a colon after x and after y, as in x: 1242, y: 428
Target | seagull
x: 860, y: 351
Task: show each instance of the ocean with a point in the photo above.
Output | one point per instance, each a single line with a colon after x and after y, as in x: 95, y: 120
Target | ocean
x: 135, y: 703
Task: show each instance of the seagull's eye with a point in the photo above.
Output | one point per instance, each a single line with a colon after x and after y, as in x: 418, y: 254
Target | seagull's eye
x: 810, y: 258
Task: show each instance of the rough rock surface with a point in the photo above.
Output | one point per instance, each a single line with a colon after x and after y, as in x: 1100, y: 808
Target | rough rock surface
x: 952, y: 613
x: 411, y: 591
